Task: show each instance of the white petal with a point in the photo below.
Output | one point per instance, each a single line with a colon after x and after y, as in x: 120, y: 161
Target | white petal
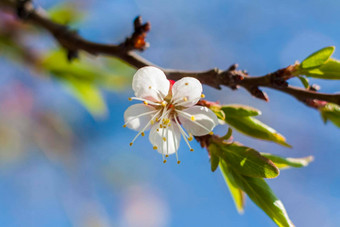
x: 186, y: 92
x: 172, y: 138
x: 136, y: 116
x: 203, y: 122
x: 150, y: 83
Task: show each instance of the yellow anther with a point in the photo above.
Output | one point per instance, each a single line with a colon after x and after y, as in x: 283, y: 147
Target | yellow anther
x: 143, y: 134
x: 202, y: 96
x: 164, y: 104
x: 185, y: 99
x: 131, y: 144
x: 192, y: 118
x: 157, y: 130
x: 178, y: 162
x: 190, y: 137
x: 166, y: 156
x: 152, y: 122
x: 164, y: 161
x: 211, y: 133
x: 164, y: 139
x: 186, y: 83
x: 191, y: 149
x: 160, y: 126
x: 124, y: 126
x: 146, y: 103
x: 150, y: 87
x: 130, y: 99
x: 157, y: 119
x: 155, y: 147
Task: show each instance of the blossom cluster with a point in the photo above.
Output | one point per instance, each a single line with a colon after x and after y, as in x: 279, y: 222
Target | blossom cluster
x: 168, y: 110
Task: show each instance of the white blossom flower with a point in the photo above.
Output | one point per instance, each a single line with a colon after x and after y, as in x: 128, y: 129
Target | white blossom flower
x: 167, y: 109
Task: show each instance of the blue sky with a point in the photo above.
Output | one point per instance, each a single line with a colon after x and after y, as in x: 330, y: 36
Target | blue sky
x: 108, y: 182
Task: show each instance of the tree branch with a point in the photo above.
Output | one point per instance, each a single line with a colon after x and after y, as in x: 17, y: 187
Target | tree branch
x: 232, y: 77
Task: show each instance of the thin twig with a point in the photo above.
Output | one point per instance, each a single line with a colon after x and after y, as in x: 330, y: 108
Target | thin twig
x: 232, y: 77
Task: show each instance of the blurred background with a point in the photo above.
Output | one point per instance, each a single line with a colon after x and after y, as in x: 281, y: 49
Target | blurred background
x: 65, y: 159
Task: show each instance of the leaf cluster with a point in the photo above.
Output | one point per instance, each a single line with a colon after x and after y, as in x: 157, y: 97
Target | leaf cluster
x: 244, y: 169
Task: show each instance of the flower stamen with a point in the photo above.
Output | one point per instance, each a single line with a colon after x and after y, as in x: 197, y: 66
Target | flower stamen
x: 138, y: 116
x: 146, y: 102
x: 189, y: 117
x: 183, y: 133
x: 142, y: 131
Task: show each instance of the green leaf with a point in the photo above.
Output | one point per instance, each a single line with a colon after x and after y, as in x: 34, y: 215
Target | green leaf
x: 111, y: 75
x: 261, y: 194
x: 331, y: 112
x: 89, y: 96
x: 236, y: 193
x: 317, y: 58
x: 284, y: 163
x: 330, y: 70
x: 65, y: 13
x: 245, y: 160
x: 254, y: 128
x: 214, y: 160
x: 228, y: 135
x: 240, y: 110
x: 304, y: 81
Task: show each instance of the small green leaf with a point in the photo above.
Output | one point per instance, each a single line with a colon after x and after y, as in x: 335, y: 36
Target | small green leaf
x: 304, y: 81
x: 89, y: 96
x: 261, y: 194
x: 317, y: 58
x: 255, y: 128
x: 65, y: 13
x: 245, y: 160
x: 240, y: 110
x: 329, y: 70
x: 284, y: 163
x: 236, y: 193
x: 214, y: 160
x: 228, y: 135
x: 110, y: 75
x: 331, y: 112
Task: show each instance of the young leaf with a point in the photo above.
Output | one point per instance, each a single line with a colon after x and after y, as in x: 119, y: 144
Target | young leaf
x: 214, y: 160
x: 317, y: 58
x: 240, y: 110
x: 329, y: 70
x: 228, y: 135
x: 261, y: 194
x: 64, y: 13
x: 304, y: 81
x: 255, y: 128
x: 89, y: 96
x: 245, y: 160
x: 284, y: 163
x: 102, y: 75
x: 331, y: 112
x: 236, y: 193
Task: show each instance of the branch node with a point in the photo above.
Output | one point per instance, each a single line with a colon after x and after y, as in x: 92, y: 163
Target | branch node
x: 314, y: 87
x: 24, y: 9
x: 232, y: 77
x: 315, y: 103
x: 137, y: 40
x: 72, y: 54
x: 256, y: 92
